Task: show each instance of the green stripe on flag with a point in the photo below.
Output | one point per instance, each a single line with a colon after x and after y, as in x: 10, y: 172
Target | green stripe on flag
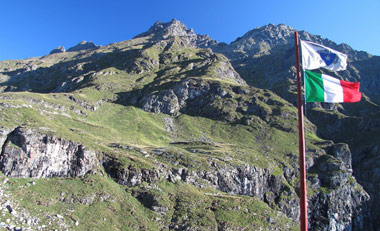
x: 314, y: 87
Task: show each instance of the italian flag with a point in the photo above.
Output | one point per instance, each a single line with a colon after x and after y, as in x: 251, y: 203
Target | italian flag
x: 324, y: 88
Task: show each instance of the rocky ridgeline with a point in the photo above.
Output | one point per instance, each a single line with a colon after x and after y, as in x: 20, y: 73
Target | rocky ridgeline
x: 82, y: 46
x: 260, y: 41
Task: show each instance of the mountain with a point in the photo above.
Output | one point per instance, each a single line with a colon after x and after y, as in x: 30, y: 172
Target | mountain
x: 172, y: 130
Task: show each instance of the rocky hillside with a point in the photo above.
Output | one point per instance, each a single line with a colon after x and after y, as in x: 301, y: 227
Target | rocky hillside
x: 172, y: 130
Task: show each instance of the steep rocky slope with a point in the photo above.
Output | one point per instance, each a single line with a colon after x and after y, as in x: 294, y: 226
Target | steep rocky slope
x: 174, y: 131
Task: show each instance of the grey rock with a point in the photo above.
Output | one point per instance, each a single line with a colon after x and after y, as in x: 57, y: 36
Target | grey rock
x: 30, y: 153
x: 3, y: 135
x: 329, y: 210
x: 59, y: 49
x: 189, y: 95
x: 342, y: 152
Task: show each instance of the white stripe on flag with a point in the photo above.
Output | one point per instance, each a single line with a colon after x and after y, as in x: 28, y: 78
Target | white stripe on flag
x: 333, y: 89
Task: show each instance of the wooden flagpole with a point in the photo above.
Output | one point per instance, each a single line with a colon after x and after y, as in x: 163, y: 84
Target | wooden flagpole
x: 301, y: 143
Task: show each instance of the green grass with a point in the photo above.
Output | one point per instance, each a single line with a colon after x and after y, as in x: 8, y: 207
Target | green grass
x: 96, y: 202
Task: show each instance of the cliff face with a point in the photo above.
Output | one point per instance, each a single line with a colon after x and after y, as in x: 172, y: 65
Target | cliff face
x: 173, y: 131
x: 26, y: 153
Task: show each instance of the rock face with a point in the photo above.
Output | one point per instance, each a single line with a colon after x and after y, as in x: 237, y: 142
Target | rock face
x: 190, y: 95
x: 233, y: 179
x: 367, y: 171
x: 28, y: 153
x: 329, y: 210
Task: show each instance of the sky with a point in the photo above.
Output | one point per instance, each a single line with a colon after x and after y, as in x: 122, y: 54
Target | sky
x: 33, y: 28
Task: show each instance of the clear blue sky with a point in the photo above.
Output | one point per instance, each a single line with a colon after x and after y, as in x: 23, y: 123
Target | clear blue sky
x: 32, y: 28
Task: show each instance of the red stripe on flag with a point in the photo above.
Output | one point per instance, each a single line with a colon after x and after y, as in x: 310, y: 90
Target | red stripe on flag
x: 351, y: 91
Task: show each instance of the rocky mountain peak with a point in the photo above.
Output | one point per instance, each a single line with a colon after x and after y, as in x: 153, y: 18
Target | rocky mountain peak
x: 177, y: 28
x: 59, y: 49
x: 263, y: 39
x: 273, y: 31
x: 161, y: 30
x: 172, y: 28
x: 84, y: 45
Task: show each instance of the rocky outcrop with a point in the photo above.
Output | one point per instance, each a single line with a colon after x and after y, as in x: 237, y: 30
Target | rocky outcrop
x: 172, y: 101
x: 367, y: 171
x: 84, y: 45
x: 328, y: 211
x: 234, y: 179
x: 30, y: 153
x: 332, y: 176
x: 59, y: 49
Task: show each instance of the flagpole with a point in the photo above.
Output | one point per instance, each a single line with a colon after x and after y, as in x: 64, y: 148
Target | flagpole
x: 301, y: 143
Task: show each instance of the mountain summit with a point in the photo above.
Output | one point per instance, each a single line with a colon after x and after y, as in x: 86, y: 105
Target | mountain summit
x: 176, y: 28
x: 84, y: 45
x: 172, y: 28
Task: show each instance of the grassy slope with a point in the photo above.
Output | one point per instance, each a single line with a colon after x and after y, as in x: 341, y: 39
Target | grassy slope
x: 113, y: 123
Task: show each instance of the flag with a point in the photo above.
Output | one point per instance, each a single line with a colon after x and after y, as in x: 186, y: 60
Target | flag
x: 315, y: 56
x: 324, y: 88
